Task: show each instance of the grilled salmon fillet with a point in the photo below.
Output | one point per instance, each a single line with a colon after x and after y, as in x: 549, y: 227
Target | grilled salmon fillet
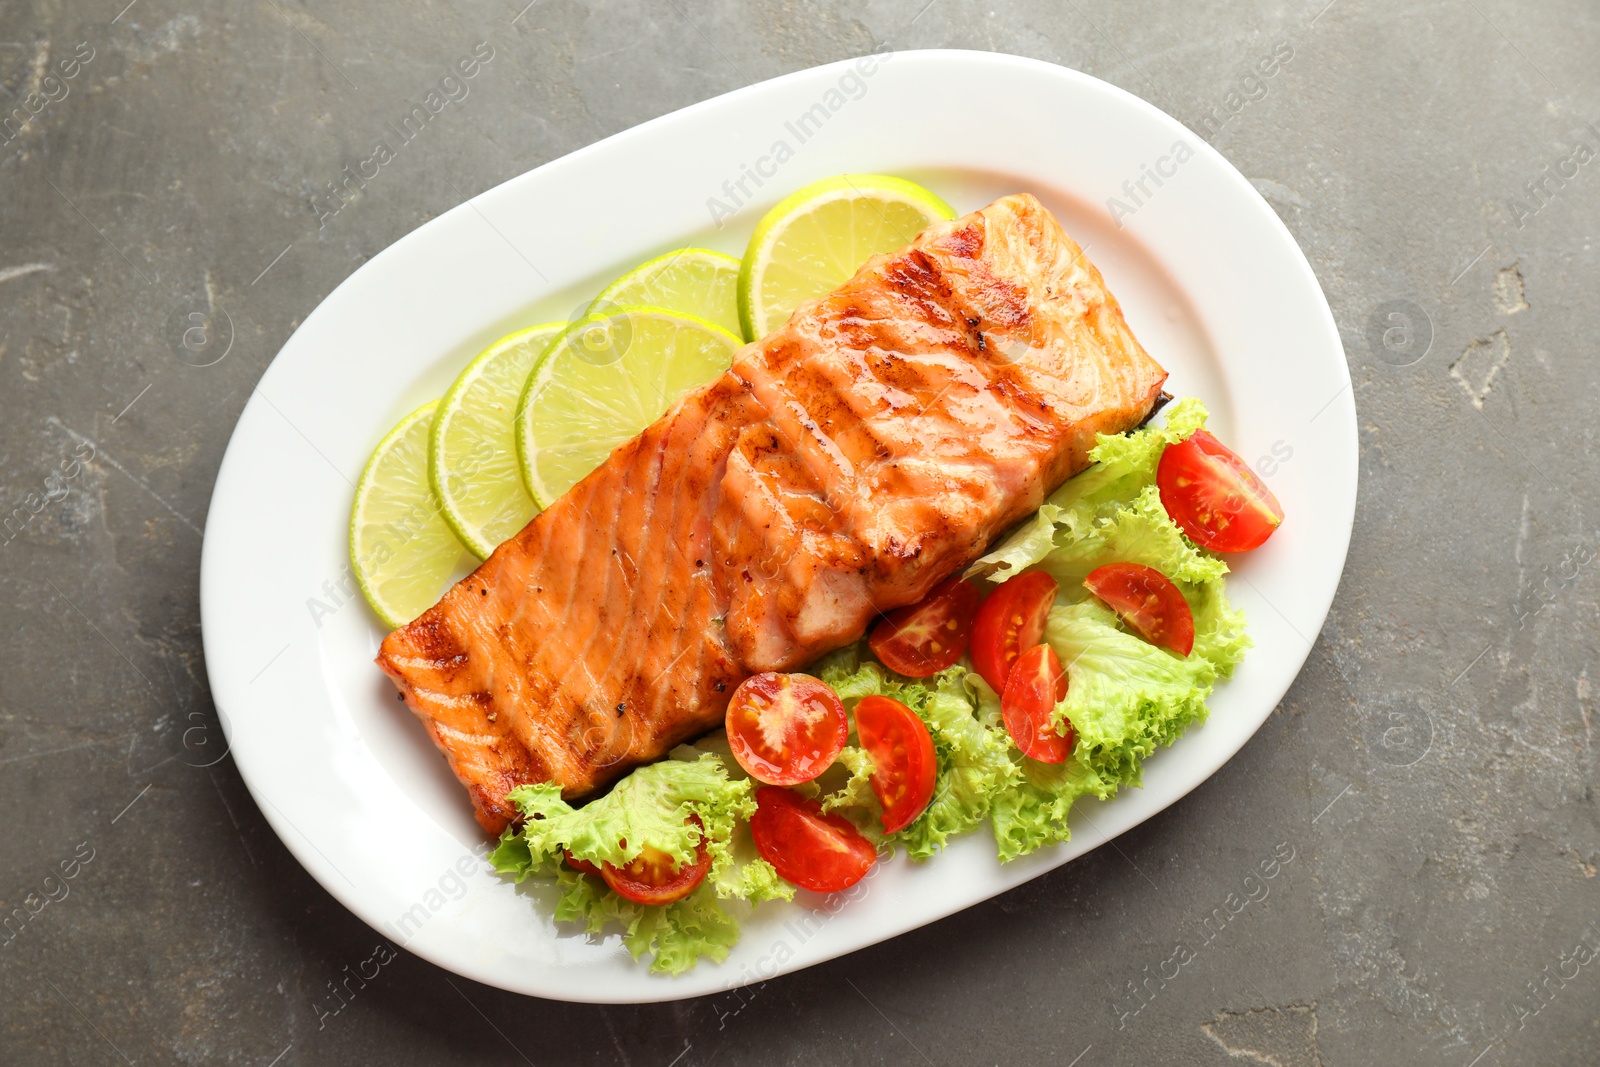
x: 843, y: 466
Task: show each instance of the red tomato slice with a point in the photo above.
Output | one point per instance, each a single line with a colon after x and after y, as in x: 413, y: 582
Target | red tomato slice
x: 785, y: 728
x: 1011, y: 620
x: 810, y: 848
x: 926, y: 638
x: 903, y: 762
x: 582, y: 865
x: 1213, y: 497
x: 653, y: 878
x: 1148, y: 602
x: 1038, y: 683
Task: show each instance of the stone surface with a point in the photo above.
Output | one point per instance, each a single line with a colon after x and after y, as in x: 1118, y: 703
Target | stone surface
x: 1430, y: 777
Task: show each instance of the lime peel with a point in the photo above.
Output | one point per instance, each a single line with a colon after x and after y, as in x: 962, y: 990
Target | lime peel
x: 472, y: 457
x: 817, y: 237
x: 604, y: 380
x: 402, y: 550
x: 694, y: 281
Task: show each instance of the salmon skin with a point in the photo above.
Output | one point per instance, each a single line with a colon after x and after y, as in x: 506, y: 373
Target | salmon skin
x: 843, y: 466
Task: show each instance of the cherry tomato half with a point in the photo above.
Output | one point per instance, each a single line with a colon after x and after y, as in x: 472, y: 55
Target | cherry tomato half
x: 1038, y: 683
x: 812, y: 849
x: 653, y: 878
x: 785, y: 728
x: 903, y: 762
x: 1011, y: 620
x: 1148, y: 602
x: 925, y: 638
x: 1213, y: 497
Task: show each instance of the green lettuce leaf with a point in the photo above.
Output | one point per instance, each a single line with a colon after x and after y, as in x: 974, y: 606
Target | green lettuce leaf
x: 1137, y: 531
x: 1034, y: 813
x: 1219, y: 627
x: 748, y: 877
x: 1123, y: 467
x: 975, y: 764
x: 651, y: 806
x: 974, y: 761
x: 853, y: 796
x: 1027, y: 544
x: 1125, y: 696
x: 512, y: 857
x: 676, y: 936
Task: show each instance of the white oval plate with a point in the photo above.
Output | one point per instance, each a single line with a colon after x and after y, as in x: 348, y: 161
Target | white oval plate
x: 1210, y: 280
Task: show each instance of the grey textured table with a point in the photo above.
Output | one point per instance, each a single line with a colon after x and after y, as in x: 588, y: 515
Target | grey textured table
x: 1427, y: 787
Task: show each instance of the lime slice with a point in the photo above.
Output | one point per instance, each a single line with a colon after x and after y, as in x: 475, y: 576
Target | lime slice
x: 403, y: 550
x: 816, y: 238
x: 606, y: 378
x: 472, y: 451
x: 695, y: 281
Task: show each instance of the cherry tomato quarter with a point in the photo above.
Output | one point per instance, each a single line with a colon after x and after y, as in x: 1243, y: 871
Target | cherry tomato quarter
x: 582, y: 865
x: 925, y: 638
x: 1010, y: 621
x: 904, y: 765
x: 1214, y: 497
x: 1148, y: 601
x: 653, y: 878
x: 1038, y: 683
x: 811, y: 848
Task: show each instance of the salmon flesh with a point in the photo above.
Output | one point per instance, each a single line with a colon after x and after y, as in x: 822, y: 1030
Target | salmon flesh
x: 844, y: 465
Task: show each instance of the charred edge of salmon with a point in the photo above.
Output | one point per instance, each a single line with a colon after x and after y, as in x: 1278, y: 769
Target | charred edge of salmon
x: 1156, y: 405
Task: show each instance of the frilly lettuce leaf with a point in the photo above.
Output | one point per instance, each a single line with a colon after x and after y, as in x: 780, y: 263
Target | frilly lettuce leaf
x: 1034, y: 813
x: 1219, y: 627
x: 974, y: 761
x: 748, y: 877
x: 650, y: 806
x: 1137, y: 531
x: 975, y: 765
x: 854, y: 798
x: 676, y: 935
x: 512, y: 857
x: 1027, y: 544
x: 1125, y: 696
x: 1123, y: 467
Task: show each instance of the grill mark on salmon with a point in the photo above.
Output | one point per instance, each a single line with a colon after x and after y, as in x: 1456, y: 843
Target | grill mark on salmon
x: 844, y: 465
